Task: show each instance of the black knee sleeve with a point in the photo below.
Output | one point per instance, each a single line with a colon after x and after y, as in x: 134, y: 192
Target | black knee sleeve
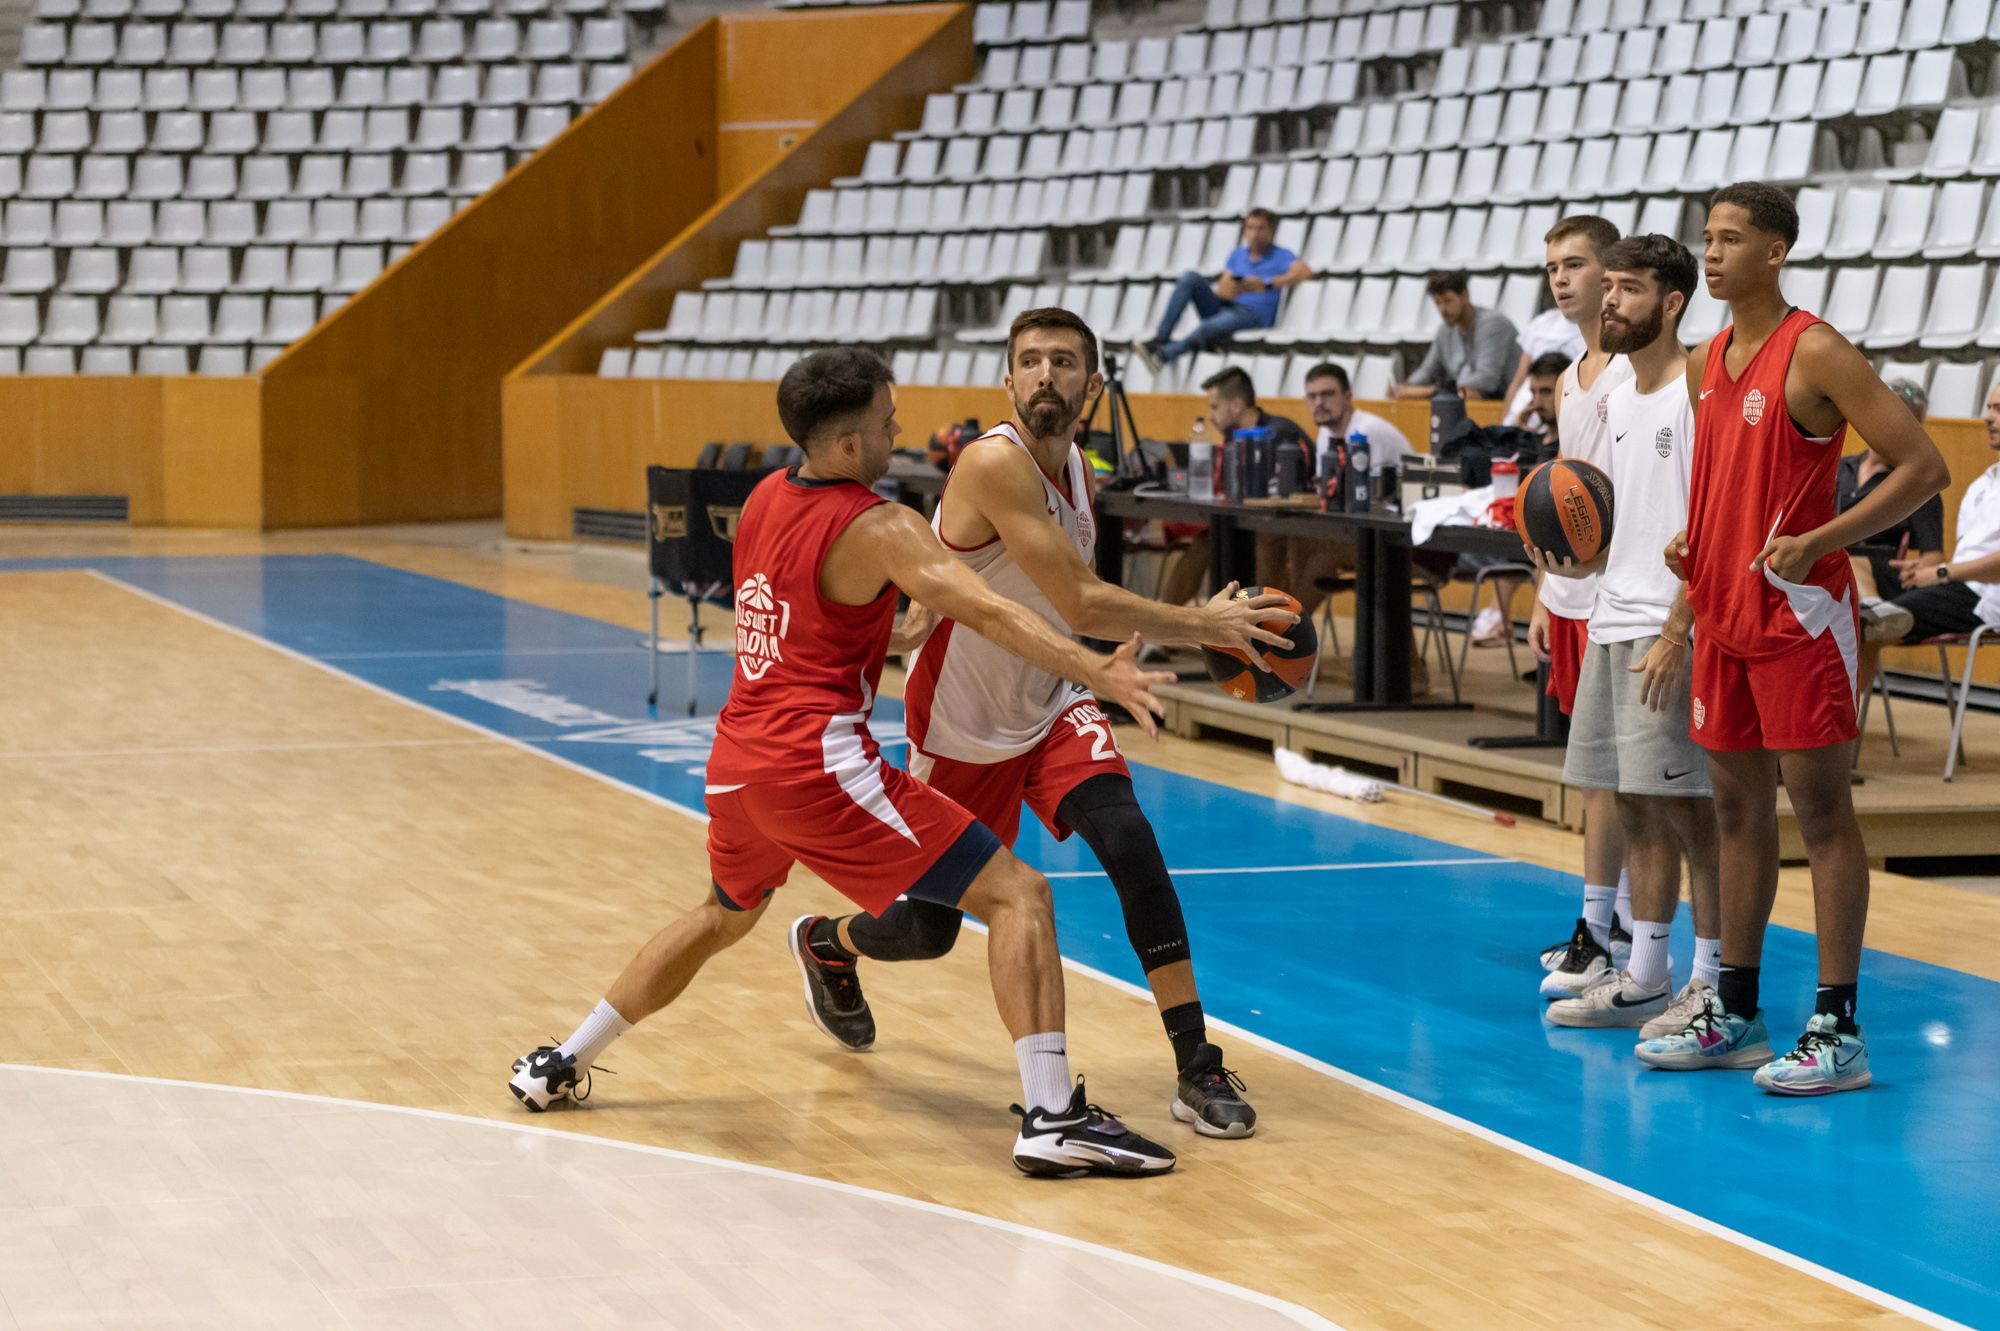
x: 1106, y: 814
x: 907, y: 931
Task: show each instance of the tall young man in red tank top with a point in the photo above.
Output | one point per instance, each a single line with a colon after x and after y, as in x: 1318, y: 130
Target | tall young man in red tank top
x: 1776, y: 629
x: 795, y: 777
x: 992, y: 732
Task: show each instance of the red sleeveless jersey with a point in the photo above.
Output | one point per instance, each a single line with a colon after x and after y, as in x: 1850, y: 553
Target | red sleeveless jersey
x: 806, y: 668
x: 1757, y: 475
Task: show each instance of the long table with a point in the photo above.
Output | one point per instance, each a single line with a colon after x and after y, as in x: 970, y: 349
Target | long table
x: 1381, y: 575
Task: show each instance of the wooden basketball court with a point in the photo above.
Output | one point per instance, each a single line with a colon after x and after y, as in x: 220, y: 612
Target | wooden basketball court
x: 238, y: 861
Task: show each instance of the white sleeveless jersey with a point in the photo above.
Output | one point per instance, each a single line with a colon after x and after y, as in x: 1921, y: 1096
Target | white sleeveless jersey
x: 968, y: 700
x: 1651, y: 464
x: 1582, y: 432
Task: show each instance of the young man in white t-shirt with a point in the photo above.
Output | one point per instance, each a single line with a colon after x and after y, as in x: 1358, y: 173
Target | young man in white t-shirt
x: 1629, y: 732
x: 1558, y: 628
x: 1549, y: 332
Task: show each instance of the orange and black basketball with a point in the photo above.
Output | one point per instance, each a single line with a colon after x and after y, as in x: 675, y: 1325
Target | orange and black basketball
x: 1289, y: 666
x: 1564, y: 507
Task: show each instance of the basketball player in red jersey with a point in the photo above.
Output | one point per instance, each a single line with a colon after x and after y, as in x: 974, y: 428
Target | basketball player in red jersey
x: 991, y: 729
x: 1776, y: 628
x: 795, y: 776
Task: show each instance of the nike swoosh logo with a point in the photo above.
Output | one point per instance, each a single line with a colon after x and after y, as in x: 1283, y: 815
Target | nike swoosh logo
x: 1618, y: 1000
x: 1704, y: 395
x: 1841, y: 1064
x: 1675, y: 776
x: 1655, y: 937
x: 1621, y: 438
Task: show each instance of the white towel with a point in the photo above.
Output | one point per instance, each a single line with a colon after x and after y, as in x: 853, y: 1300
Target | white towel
x: 1303, y: 771
x: 1460, y: 510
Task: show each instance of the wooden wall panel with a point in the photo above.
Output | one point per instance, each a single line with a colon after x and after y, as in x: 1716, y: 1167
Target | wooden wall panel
x: 78, y: 435
x: 390, y: 409
x: 211, y: 455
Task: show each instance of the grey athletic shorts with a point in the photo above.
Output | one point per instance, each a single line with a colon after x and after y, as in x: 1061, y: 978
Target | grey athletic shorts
x: 1617, y: 743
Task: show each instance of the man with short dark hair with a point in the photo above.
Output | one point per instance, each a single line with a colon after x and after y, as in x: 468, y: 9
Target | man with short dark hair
x: 1545, y: 374
x: 1244, y: 295
x: 1775, y: 629
x: 1474, y: 351
x: 993, y: 731
x: 795, y: 777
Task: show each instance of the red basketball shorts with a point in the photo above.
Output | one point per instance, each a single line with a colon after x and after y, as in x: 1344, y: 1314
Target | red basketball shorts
x: 1078, y: 747
x: 874, y: 833
x: 1567, y: 639
x: 1801, y: 700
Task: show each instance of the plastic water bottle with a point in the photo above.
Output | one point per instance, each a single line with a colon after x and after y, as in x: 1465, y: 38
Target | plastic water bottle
x: 1360, y: 487
x: 1201, y: 464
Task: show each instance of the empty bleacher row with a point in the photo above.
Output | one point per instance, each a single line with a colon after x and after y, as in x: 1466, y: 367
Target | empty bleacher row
x: 1392, y: 139
x: 190, y: 185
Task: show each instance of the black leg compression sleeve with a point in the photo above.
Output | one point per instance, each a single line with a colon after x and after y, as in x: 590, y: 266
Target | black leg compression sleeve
x: 907, y: 931
x: 1106, y: 814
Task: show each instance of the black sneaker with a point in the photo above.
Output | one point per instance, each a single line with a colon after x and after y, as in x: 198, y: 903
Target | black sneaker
x: 1621, y: 949
x: 833, y: 992
x: 1208, y: 1097
x: 1583, y: 961
x: 1083, y: 1139
x: 546, y: 1076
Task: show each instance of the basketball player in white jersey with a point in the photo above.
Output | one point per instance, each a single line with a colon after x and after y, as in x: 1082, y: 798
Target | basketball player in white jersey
x: 991, y: 734
x: 1560, y: 624
x: 1629, y: 733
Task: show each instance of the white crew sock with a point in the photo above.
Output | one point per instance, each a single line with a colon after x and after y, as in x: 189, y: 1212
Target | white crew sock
x: 1624, y: 904
x: 599, y: 1029
x: 1708, y: 961
x: 1597, y: 911
x: 1044, y: 1061
x: 1649, y: 963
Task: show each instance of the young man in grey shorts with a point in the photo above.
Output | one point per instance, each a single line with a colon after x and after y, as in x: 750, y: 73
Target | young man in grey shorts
x: 1629, y: 731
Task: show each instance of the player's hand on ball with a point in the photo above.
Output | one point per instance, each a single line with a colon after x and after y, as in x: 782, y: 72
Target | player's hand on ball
x: 1120, y: 680
x: 1677, y: 553
x: 1664, y: 667
x: 1237, y: 621
x: 1790, y: 557
x: 1563, y: 567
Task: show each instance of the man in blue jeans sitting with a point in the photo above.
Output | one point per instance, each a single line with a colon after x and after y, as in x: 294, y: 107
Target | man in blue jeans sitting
x: 1245, y: 295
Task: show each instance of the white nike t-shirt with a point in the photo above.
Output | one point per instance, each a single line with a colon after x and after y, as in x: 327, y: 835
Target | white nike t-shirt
x: 1650, y: 460
x: 1582, y: 433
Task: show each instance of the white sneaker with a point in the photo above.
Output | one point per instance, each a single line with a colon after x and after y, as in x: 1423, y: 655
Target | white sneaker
x: 1615, y: 1000
x: 1486, y: 628
x: 1692, y: 998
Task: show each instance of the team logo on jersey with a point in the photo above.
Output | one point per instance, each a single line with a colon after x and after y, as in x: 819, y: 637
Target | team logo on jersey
x: 1663, y: 442
x: 1753, y: 405
x: 761, y: 622
x: 1700, y: 713
x: 1603, y: 411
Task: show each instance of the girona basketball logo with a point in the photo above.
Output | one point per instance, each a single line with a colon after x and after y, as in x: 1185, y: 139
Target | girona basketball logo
x: 1700, y: 713
x: 1753, y: 405
x: 1663, y: 442
x: 761, y: 622
x: 1603, y: 411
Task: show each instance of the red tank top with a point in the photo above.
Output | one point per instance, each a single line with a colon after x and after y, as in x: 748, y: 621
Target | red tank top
x: 806, y: 667
x: 1757, y: 475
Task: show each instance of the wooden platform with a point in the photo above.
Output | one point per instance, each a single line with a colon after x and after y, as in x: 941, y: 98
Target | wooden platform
x: 1906, y: 807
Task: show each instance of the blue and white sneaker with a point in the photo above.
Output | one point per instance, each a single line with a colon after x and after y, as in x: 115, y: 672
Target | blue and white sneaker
x: 1825, y: 1060
x: 1712, y: 1038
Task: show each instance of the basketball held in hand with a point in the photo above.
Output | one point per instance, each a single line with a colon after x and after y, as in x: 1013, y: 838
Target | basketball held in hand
x: 1565, y: 509
x: 1289, y: 666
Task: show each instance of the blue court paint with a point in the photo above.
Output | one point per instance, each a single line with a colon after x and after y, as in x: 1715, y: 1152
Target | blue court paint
x: 1419, y: 978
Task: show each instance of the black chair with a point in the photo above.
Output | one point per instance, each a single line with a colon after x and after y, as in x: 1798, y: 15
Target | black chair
x: 736, y: 457
x: 711, y: 456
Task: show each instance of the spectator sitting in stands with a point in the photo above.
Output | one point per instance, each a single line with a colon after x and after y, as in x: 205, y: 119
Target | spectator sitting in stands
x: 1474, y: 351
x: 1544, y: 386
x: 1959, y: 594
x: 1547, y: 332
x: 1245, y: 295
x: 1918, y: 538
x: 1232, y: 406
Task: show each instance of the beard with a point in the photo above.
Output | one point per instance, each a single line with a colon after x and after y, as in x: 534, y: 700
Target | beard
x: 1048, y: 413
x: 1622, y: 339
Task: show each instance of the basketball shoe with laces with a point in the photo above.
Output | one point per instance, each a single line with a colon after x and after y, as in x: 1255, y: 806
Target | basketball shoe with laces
x: 1209, y: 1097
x: 1825, y: 1060
x: 1582, y: 963
x: 1713, y: 1038
x: 833, y: 991
x: 546, y: 1076
x: 1621, y: 949
x: 1615, y: 1000
x: 1679, y: 1012
x: 1083, y: 1139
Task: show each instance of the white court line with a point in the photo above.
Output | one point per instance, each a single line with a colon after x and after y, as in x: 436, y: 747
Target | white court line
x: 459, y: 721
x: 447, y: 653
x: 301, y: 747
x: 1657, y: 1205
x: 1300, y: 868
x: 1302, y: 1316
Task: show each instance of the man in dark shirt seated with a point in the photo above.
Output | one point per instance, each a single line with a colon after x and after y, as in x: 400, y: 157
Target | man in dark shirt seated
x: 1232, y: 406
x: 1244, y: 295
x: 1918, y: 538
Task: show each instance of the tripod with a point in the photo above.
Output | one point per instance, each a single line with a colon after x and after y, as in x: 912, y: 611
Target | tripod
x: 1127, y: 460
